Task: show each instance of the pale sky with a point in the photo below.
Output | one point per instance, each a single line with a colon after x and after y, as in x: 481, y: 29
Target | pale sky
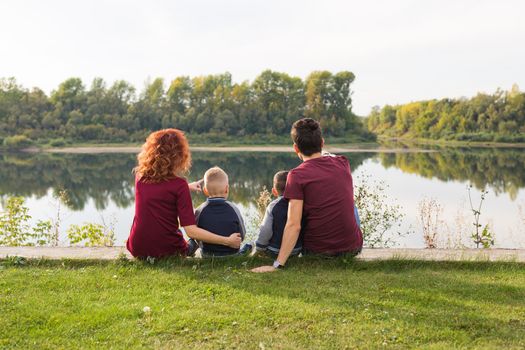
x: 399, y: 50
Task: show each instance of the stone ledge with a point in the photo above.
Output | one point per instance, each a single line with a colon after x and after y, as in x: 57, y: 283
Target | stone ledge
x: 95, y: 253
x: 108, y: 253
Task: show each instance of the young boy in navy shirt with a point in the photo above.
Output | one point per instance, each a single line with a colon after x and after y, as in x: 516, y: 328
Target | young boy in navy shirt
x: 274, y: 221
x: 218, y: 215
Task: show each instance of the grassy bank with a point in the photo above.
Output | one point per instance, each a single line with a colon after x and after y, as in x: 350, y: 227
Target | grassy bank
x: 312, y: 304
x: 211, y: 139
x: 202, y: 141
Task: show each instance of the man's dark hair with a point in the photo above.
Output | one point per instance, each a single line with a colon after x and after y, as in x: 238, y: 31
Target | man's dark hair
x: 279, y: 180
x: 306, y: 134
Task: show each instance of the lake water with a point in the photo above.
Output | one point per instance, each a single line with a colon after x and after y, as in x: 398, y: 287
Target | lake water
x: 99, y: 187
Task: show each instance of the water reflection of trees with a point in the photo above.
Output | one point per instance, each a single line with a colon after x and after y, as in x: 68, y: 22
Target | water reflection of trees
x: 248, y: 173
x: 106, y: 178
x: 501, y: 170
x: 103, y: 177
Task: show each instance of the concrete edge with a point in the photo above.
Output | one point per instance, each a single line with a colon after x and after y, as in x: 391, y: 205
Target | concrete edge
x: 368, y: 254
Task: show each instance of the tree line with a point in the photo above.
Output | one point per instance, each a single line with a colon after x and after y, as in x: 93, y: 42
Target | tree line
x: 496, y: 117
x: 212, y: 105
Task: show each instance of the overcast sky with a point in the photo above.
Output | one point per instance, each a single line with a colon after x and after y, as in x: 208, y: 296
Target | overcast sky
x: 399, y: 50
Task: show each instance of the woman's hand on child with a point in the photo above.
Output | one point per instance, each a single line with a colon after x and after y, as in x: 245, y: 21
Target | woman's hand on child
x: 234, y: 240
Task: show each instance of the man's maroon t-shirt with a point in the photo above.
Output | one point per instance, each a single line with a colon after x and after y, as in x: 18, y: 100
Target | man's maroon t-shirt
x: 326, y: 188
x: 159, y: 207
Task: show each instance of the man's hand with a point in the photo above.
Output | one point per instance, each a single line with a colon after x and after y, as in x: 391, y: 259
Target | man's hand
x: 234, y: 240
x: 195, y: 186
x: 263, y: 269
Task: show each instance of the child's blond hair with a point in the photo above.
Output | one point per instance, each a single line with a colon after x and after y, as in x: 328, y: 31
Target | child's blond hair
x: 215, y: 181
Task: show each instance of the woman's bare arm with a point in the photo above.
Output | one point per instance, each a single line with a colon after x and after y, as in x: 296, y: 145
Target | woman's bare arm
x: 199, y: 234
x: 196, y: 186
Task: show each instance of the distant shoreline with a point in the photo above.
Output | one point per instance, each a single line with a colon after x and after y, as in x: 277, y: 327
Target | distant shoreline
x: 388, y: 145
x: 271, y: 149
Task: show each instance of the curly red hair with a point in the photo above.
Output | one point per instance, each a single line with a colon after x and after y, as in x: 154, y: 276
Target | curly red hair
x: 164, y: 155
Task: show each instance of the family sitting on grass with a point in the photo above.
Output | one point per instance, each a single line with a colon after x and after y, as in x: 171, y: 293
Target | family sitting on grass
x: 313, y: 212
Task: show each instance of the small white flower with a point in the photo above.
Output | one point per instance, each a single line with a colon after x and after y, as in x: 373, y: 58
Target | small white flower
x: 146, y: 309
x: 114, y: 276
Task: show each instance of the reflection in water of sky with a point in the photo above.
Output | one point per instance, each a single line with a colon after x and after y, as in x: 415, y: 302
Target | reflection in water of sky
x: 100, y: 186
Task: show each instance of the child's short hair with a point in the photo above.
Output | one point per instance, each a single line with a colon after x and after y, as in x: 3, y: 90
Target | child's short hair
x: 215, y: 181
x: 279, y: 181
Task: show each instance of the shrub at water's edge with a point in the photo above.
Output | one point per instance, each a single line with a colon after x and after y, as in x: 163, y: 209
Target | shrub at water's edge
x: 380, y: 216
x: 14, y: 225
x: 15, y: 228
x: 17, y: 142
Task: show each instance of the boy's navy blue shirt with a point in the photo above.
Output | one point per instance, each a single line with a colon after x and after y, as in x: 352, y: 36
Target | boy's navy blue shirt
x: 272, y: 228
x: 223, y: 218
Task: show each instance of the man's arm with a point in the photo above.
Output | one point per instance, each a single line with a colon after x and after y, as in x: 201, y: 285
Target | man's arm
x: 290, y: 236
x: 291, y: 230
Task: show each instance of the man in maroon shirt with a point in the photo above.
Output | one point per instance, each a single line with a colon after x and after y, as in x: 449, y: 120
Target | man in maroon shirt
x: 321, y: 189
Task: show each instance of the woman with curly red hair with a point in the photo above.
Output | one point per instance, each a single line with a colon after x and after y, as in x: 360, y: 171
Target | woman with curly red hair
x: 162, y: 200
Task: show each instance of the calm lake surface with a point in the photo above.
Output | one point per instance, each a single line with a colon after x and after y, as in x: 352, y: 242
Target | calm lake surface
x: 100, y: 187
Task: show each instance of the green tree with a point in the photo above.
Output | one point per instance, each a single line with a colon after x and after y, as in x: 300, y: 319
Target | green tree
x: 329, y: 100
x: 484, y: 117
x: 70, y: 96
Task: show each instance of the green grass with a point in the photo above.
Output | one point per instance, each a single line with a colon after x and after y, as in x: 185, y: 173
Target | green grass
x: 312, y: 304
